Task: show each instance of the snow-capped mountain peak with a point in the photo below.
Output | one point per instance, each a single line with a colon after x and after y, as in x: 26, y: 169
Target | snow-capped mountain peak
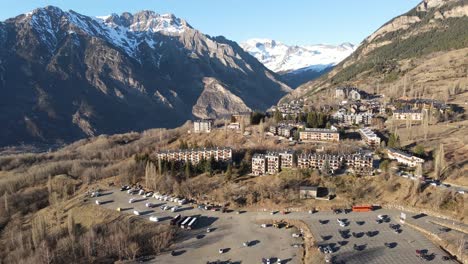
x: 280, y: 57
x: 126, y: 31
x: 147, y: 21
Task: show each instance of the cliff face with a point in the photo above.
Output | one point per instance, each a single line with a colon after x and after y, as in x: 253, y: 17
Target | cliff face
x: 64, y: 75
x: 420, y: 53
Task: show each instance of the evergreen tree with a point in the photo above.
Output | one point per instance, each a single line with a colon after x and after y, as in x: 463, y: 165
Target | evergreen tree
x: 326, y: 168
x: 229, y: 172
x: 311, y: 119
x: 188, y: 170
x: 393, y: 141
x: 277, y: 116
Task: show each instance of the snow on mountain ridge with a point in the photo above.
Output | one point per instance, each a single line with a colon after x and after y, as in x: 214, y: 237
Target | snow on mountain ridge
x: 280, y: 57
x: 126, y: 31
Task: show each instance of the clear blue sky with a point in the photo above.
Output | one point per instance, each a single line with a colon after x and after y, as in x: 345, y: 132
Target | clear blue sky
x: 288, y: 21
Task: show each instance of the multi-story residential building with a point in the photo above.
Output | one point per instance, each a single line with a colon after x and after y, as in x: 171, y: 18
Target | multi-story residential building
x: 407, y: 114
x: 404, y: 158
x: 422, y: 104
x: 351, y: 93
x: 369, y: 137
x: 273, y: 129
x: 319, y: 161
x: 319, y: 134
x: 287, y: 159
x: 259, y: 162
x: 353, y: 119
x: 273, y: 162
x: 286, y: 131
x: 197, y: 155
x: 358, y: 162
x: 292, y: 123
x: 203, y: 125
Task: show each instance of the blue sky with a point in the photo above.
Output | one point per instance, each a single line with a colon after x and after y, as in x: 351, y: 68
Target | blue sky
x: 289, y: 21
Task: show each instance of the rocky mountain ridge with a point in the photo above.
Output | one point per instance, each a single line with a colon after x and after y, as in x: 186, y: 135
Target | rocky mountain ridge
x: 64, y: 75
x: 419, y: 53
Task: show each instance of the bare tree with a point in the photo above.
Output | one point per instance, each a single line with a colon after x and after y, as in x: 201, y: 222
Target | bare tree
x: 440, y: 163
x: 38, y: 231
x: 242, y: 126
x: 5, y: 200
x: 71, y: 226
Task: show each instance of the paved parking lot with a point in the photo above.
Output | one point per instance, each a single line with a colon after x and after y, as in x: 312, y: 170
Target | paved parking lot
x: 370, y: 239
x: 230, y: 231
x: 361, y: 241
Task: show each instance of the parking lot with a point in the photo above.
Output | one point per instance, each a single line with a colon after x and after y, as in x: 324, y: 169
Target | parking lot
x: 361, y: 240
x: 228, y: 232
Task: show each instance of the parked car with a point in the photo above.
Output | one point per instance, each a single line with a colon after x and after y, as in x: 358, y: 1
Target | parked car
x: 154, y: 219
x: 296, y: 235
x: 132, y: 200
x: 136, y: 212
x: 175, y: 209
x: 98, y: 202
x: 150, y: 205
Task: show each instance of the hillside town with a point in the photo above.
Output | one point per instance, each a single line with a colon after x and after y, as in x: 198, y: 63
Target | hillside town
x: 355, y: 135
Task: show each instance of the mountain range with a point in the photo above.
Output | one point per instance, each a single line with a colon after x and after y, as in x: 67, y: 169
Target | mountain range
x: 297, y: 64
x: 422, y: 53
x: 64, y: 75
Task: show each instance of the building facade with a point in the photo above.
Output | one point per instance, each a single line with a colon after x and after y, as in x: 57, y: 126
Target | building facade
x: 194, y: 156
x: 259, y: 162
x: 273, y: 162
x: 353, y: 119
x: 203, y: 125
x: 404, y: 158
x: 414, y: 115
x: 369, y: 137
x: 319, y: 134
x: 356, y: 162
x: 350, y: 93
x: 287, y: 159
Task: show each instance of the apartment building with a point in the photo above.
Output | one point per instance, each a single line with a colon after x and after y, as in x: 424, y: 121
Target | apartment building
x: 259, y: 162
x: 358, y: 162
x: 287, y: 159
x: 369, y: 137
x: 407, y: 114
x: 353, y: 119
x: 319, y: 134
x: 404, y: 158
x: 286, y: 131
x: 273, y: 162
x: 197, y: 155
x: 203, y: 125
